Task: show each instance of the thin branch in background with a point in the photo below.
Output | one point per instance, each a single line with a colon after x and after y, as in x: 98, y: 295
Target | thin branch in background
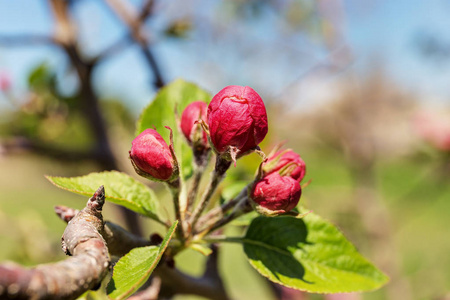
x: 146, y: 10
x: 135, y: 21
x: 114, y: 49
x: 210, y: 285
x: 21, y: 144
x: 65, y: 30
x: 212, y: 269
x: 65, y: 36
x: 26, y: 40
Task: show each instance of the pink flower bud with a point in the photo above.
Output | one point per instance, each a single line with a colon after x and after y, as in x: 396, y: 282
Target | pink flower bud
x: 5, y: 81
x: 434, y: 128
x: 237, y: 118
x: 275, y: 194
x: 151, y: 156
x: 192, y: 131
x: 286, y: 163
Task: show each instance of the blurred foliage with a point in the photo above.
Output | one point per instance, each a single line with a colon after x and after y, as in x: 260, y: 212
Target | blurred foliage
x: 179, y: 28
x: 50, y: 117
x: 298, y: 16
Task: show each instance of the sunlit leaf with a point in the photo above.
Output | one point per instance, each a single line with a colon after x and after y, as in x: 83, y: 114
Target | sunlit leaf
x: 134, y: 269
x: 120, y: 189
x: 308, y: 254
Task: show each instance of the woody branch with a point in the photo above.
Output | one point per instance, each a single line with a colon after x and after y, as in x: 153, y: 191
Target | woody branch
x: 68, y: 279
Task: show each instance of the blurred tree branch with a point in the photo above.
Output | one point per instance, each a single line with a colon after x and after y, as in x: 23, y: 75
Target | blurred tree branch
x: 114, y: 49
x: 135, y: 21
x: 65, y: 36
x: 210, y: 285
x: 65, y: 33
x: 23, y: 144
x: 26, y: 40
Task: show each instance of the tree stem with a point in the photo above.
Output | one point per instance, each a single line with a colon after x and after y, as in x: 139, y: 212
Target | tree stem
x: 222, y: 165
x: 194, y: 189
x: 240, y: 209
x: 174, y: 187
x: 219, y: 212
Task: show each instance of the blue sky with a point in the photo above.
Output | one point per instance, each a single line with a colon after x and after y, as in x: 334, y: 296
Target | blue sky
x: 375, y: 30
x: 389, y: 31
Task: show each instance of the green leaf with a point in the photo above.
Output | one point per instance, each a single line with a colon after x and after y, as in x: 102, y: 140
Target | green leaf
x: 308, y: 254
x: 39, y: 76
x: 120, y: 189
x: 161, y: 112
x: 134, y: 269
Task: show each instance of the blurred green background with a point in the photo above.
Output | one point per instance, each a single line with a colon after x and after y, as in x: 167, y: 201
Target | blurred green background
x: 360, y: 90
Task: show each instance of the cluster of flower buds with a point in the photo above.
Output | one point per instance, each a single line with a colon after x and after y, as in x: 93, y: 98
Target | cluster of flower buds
x: 277, y: 189
x: 233, y: 124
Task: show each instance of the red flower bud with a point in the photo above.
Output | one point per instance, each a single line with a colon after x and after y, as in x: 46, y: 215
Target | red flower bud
x: 192, y: 131
x: 286, y: 163
x: 275, y: 194
x: 151, y: 156
x: 237, y: 118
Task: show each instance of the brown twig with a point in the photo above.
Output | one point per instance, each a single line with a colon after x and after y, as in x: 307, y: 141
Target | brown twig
x: 146, y: 10
x: 210, y: 285
x: 70, y: 278
x: 134, y: 21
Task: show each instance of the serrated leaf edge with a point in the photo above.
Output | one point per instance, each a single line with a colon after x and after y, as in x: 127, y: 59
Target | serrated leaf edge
x: 381, y: 283
x: 147, y: 212
x: 147, y: 274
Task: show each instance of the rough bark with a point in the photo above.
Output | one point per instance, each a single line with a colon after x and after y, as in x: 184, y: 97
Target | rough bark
x: 119, y: 241
x: 68, y: 279
x: 174, y: 282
